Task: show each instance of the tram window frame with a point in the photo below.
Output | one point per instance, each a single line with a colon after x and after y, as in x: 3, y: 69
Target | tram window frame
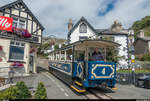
x: 57, y: 56
x: 70, y: 55
x: 102, y: 50
x: 77, y: 56
x: 62, y: 57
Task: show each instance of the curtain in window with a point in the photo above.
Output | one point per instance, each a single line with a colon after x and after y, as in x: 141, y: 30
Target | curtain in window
x: 16, y: 53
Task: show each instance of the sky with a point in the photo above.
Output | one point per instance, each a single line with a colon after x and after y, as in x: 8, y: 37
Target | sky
x: 55, y: 14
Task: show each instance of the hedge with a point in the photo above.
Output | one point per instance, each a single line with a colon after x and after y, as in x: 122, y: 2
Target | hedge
x: 40, y: 92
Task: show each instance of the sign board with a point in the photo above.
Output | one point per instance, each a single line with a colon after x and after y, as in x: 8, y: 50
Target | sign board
x: 132, y: 61
x: 6, y: 23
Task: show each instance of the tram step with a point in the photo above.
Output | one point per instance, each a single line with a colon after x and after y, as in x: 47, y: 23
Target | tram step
x: 78, y: 89
x: 78, y: 83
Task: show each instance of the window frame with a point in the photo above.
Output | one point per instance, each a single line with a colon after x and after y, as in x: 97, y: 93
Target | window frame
x: 81, y: 30
x: 19, y: 46
x: 18, y: 22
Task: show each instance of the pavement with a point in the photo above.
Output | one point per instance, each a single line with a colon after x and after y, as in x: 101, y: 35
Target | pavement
x: 55, y: 88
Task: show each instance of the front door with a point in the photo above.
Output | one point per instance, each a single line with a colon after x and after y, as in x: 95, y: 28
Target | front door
x: 31, y: 64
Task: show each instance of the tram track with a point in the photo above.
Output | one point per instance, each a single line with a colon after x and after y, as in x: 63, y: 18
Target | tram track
x: 96, y: 95
x: 90, y: 93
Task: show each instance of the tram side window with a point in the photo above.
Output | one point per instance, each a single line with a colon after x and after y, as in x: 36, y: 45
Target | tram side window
x: 79, y: 55
x: 69, y: 55
x: 62, y: 55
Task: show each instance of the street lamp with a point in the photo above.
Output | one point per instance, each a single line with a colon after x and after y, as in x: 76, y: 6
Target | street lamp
x: 11, y: 75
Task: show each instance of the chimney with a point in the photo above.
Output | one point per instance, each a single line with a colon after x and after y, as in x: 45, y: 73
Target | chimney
x: 116, y: 26
x: 141, y: 33
x: 70, y: 25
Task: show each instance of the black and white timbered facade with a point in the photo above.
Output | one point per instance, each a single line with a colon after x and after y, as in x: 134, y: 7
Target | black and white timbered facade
x: 17, y: 48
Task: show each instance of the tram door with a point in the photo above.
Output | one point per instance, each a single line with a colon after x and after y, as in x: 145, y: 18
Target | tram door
x: 79, y: 64
x: 31, y: 64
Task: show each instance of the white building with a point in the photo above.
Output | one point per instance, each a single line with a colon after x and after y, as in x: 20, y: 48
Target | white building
x: 84, y: 30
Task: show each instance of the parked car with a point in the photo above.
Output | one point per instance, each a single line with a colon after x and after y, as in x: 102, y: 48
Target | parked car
x: 144, y: 81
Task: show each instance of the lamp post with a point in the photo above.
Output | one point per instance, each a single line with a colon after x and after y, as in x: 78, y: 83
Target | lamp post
x: 133, y: 74
x: 11, y: 75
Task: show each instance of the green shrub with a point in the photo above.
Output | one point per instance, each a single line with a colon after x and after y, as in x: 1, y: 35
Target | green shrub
x: 19, y: 91
x: 23, y: 90
x: 145, y: 57
x: 40, y: 92
x: 11, y: 93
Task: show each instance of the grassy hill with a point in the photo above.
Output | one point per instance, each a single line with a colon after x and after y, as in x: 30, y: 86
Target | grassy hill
x: 143, y: 24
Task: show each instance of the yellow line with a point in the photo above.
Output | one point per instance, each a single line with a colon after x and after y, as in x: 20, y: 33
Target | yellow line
x: 80, y: 84
x: 77, y: 89
x: 114, y: 88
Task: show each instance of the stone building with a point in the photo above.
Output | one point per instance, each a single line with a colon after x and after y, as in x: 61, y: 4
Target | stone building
x: 142, y: 43
x: 18, y: 47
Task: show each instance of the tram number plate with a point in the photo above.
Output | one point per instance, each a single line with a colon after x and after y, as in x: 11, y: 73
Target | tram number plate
x: 103, y: 71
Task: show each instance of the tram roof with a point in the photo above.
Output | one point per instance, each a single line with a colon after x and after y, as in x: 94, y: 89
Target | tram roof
x: 91, y: 43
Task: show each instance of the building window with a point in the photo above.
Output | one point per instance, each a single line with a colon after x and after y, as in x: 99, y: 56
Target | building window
x: 83, y: 37
x: 83, y: 28
x: 16, y: 51
x: 19, y: 23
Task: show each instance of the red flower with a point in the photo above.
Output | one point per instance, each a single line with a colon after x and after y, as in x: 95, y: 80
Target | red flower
x: 1, y: 48
x: 22, y: 32
x: 1, y: 59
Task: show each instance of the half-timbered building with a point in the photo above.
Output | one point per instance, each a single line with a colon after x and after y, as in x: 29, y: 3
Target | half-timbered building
x: 18, y: 46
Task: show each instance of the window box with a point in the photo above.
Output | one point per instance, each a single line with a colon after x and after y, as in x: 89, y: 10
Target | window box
x: 21, y: 32
x: 17, y: 64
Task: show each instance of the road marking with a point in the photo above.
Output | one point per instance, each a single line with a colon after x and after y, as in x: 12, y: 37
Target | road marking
x: 66, y: 94
x: 62, y: 89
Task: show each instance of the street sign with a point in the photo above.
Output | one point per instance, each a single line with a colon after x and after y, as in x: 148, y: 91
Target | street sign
x: 132, y: 61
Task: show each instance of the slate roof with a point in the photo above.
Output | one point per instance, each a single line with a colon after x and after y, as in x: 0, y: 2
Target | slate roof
x: 28, y: 10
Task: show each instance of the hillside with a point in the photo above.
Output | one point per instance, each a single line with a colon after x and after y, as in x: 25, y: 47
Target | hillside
x: 143, y: 24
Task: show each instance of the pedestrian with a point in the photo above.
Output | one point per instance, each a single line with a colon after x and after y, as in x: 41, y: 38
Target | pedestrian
x: 97, y: 55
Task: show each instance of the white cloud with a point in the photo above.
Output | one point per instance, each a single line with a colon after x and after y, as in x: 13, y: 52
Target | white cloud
x: 54, y: 14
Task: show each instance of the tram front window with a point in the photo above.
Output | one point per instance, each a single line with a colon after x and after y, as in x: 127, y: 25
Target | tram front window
x: 96, y: 54
x: 79, y: 55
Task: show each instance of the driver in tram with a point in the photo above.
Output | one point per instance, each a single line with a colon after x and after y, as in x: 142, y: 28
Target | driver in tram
x: 97, y: 55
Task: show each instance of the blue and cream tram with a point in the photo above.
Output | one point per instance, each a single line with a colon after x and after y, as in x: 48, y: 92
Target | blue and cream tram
x: 73, y: 65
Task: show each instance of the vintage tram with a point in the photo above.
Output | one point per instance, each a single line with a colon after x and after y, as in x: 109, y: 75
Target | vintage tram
x: 73, y: 65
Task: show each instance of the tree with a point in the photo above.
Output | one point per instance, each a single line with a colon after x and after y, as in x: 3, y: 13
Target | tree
x: 56, y: 47
x: 40, y: 92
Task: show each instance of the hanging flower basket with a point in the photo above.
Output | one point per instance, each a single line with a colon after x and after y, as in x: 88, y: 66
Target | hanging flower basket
x: 32, y: 50
x: 17, y: 64
x: 1, y: 48
x: 1, y: 59
x: 21, y: 32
